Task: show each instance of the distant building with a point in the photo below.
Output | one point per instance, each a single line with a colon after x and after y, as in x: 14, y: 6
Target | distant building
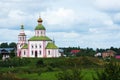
x: 108, y: 53
x: 74, y: 52
x: 37, y: 46
x: 117, y: 56
x: 98, y: 54
x: 5, y: 53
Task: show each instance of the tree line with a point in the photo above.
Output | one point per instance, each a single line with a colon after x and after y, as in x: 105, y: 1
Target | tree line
x: 67, y: 51
x: 8, y: 45
x: 88, y: 51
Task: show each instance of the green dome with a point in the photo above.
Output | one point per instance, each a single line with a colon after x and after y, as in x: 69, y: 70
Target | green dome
x: 40, y: 27
x: 51, y: 46
x: 40, y: 38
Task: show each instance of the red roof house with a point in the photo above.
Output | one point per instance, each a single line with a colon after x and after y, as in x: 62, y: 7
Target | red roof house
x: 75, y: 51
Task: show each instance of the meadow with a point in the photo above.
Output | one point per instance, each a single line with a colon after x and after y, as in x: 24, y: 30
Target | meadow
x: 48, y: 68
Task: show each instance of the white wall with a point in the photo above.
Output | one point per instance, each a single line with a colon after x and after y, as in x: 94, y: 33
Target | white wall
x: 52, y: 53
x: 24, y: 52
x: 36, y: 47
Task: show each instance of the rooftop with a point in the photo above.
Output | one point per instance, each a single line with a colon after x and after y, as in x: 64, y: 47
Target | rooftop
x: 51, y: 46
x: 25, y: 46
x: 40, y: 38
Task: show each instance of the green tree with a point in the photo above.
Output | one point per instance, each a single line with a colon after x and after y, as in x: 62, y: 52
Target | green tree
x: 111, y: 72
x: 12, y: 45
x: 12, y: 53
x: 4, y: 45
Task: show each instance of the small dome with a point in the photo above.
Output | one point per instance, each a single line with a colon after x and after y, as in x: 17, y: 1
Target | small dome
x: 22, y: 26
x: 40, y: 27
x: 40, y: 20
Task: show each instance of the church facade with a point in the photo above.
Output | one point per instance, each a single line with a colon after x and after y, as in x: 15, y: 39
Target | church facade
x: 37, y: 46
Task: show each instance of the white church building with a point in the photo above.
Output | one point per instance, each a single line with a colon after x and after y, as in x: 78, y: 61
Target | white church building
x: 37, y: 46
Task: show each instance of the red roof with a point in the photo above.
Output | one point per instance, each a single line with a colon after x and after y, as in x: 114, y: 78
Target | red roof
x: 75, y: 51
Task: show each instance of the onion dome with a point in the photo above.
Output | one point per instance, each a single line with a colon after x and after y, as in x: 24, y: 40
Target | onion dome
x: 22, y: 26
x: 40, y: 20
x: 22, y: 31
x: 40, y: 26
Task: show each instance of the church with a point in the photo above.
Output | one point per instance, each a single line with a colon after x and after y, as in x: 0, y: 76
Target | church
x: 38, y: 46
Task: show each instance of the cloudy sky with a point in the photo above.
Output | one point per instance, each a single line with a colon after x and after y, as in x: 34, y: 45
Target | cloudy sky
x: 84, y: 23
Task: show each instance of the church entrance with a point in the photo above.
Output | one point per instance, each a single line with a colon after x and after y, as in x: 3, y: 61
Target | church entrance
x: 35, y: 53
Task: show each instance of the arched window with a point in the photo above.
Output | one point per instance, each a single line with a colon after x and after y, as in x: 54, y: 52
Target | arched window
x: 38, y: 32
x: 48, y: 52
x: 41, y: 32
x: 32, y: 46
x: 40, y: 52
x: 36, y: 46
x: 24, y: 52
x: 39, y: 46
x: 32, y: 52
x: 20, y: 38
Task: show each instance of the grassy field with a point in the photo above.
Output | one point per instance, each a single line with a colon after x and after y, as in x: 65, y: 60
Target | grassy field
x: 48, y: 68
x: 88, y: 73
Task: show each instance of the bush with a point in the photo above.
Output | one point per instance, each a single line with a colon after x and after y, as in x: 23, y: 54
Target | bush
x: 15, y: 62
x: 110, y: 72
x: 40, y: 63
x: 9, y: 76
x: 74, y: 74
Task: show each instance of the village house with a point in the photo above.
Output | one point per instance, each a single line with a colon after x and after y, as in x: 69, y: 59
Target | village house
x: 5, y: 53
x: 74, y: 52
x: 108, y: 53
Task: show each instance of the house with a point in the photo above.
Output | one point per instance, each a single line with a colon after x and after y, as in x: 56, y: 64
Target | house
x: 108, y: 53
x: 98, y: 54
x: 39, y: 45
x: 74, y: 52
x: 5, y: 53
x: 117, y: 56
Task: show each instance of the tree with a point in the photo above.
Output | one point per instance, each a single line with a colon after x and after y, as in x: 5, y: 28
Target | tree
x: 12, y: 45
x: 4, y: 45
x: 111, y: 72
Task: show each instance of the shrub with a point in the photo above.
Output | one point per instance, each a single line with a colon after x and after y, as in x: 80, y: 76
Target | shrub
x: 9, y: 76
x: 110, y: 72
x: 40, y: 63
x: 15, y: 62
x: 74, y: 74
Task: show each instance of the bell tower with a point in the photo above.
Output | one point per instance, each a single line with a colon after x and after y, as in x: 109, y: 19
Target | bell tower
x: 21, y: 40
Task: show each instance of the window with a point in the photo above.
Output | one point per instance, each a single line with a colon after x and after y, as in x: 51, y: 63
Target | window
x: 40, y: 52
x: 41, y: 32
x: 37, y: 32
x: 32, y: 46
x: 24, y: 52
x: 32, y: 52
x: 20, y: 38
x: 40, y: 46
x: 48, y: 52
x: 35, y: 46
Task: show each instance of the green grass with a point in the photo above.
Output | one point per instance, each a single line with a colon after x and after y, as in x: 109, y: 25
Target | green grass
x: 88, y: 73
x: 36, y: 76
x: 31, y: 72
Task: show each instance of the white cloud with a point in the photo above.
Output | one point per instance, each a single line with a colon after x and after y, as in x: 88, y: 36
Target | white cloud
x: 59, y: 16
x: 78, y: 24
x: 109, y: 5
x: 8, y: 35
